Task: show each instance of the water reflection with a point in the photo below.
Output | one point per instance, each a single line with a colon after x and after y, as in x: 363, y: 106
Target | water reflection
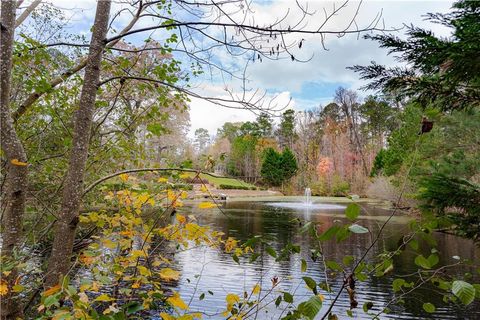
x: 205, y: 268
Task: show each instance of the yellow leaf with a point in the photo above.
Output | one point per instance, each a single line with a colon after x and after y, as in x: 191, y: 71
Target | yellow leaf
x: 184, y: 176
x: 144, y: 271
x: 124, y: 177
x: 207, y: 205
x: 184, y: 195
x: 136, y: 285
x: 109, y: 244
x: 203, y: 188
x: 181, y: 218
x: 256, y: 289
x: 230, y: 244
x: 138, y: 253
x: 232, y: 298
x: 169, y: 274
x: 162, y: 180
x: 6, y: 273
x: 104, y: 297
x: 166, y: 316
x: 321, y: 297
x: 127, y: 233
x: 52, y: 290
x: 17, y: 162
x: 177, y: 203
x: 3, y: 288
x: 177, y: 302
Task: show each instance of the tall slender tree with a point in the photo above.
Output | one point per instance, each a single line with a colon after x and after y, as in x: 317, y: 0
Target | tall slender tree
x: 65, y: 226
x: 15, y: 188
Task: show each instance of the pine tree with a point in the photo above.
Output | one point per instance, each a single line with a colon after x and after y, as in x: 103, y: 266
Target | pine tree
x: 288, y: 164
x: 441, y: 72
x: 271, y: 167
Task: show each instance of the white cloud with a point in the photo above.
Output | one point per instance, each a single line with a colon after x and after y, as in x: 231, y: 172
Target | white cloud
x: 205, y: 114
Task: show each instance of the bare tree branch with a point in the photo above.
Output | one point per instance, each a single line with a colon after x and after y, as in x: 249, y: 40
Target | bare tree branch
x: 26, y: 12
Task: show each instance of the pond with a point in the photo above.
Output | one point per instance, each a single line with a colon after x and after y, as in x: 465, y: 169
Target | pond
x: 206, y: 268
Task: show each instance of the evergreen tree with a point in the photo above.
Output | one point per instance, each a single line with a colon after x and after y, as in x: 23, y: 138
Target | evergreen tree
x: 444, y: 72
x: 286, y: 131
x: 288, y: 164
x: 271, y: 167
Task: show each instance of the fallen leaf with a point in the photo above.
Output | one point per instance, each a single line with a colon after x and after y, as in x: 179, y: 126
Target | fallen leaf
x: 17, y: 162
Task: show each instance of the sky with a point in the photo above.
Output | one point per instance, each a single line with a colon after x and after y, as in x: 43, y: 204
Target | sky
x: 300, y: 85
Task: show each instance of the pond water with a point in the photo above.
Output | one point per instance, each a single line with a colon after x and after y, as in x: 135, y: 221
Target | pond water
x: 205, y: 268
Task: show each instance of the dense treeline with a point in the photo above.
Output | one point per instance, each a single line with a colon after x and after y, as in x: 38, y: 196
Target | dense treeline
x: 333, y: 145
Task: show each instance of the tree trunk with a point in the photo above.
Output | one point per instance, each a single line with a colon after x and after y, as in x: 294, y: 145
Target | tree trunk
x: 16, y: 169
x: 65, y: 226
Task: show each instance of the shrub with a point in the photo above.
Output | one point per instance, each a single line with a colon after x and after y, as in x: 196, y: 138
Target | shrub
x: 340, y: 187
x: 319, y: 188
x: 235, y: 187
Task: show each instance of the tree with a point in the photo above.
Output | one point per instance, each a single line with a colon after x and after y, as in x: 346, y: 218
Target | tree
x: 65, y: 226
x: 202, y: 140
x: 264, y: 125
x: 278, y: 167
x: 286, y: 131
x: 271, y: 170
x: 14, y: 195
x: 440, y: 82
x: 441, y: 72
x: 347, y: 100
x: 288, y: 164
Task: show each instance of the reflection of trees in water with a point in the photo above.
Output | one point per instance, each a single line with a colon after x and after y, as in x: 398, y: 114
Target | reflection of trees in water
x: 280, y: 226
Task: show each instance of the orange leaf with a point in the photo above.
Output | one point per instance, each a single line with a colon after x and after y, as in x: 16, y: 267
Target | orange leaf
x: 17, y: 162
x: 52, y: 290
x: 3, y: 287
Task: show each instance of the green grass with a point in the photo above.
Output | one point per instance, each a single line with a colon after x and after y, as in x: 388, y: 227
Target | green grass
x: 217, y: 181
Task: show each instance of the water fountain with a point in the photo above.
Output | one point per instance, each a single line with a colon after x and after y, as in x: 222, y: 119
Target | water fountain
x: 308, y: 196
x: 307, y: 204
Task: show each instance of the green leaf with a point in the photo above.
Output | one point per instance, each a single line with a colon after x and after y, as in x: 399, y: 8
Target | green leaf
x: 133, y: 307
x: 235, y: 258
x: 271, y: 252
x: 464, y: 291
x: 413, y: 244
x: 397, y: 284
x: 310, y: 282
x: 352, y: 211
x: 342, y: 234
x: 311, y: 307
x: 432, y: 259
x: 287, y: 297
x: 327, y: 235
x: 355, y: 228
x: 254, y: 257
x: 348, y: 260
x: 421, y: 261
x: 367, y: 306
x: 303, y: 267
x: 202, y: 296
x: 334, y: 266
x: 278, y: 301
x: 430, y: 308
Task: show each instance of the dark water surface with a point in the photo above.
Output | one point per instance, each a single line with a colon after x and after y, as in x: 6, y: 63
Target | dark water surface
x: 210, y: 269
